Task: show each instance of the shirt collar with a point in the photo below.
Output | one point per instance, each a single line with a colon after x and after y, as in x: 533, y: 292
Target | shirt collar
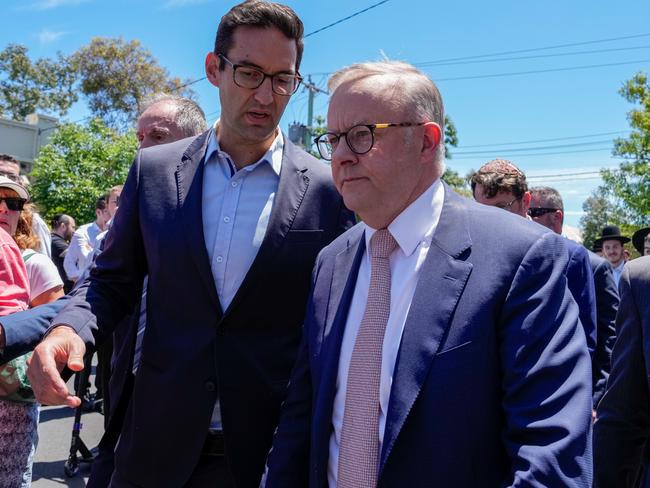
x: 417, y: 222
x: 273, y: 156
x: 619, y: 268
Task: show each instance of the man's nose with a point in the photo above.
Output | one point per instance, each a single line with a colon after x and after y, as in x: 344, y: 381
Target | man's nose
x: 264, y: 92
x: 3, y: 206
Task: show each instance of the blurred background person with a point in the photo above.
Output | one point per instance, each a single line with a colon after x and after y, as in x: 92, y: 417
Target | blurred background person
x: 63, y: 227
x: 641, y: 241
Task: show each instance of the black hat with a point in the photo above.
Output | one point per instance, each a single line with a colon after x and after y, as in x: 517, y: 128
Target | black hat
x: 610, y: 232
x: 638, y: 237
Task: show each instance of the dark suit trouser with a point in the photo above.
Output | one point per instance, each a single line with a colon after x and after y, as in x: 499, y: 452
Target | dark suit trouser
x: 210, y: 472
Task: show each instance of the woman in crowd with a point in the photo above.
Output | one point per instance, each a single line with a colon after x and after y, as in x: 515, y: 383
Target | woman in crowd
x: 19, y: 411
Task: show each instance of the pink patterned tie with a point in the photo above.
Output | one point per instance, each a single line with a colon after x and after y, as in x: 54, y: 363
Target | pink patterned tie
x: 359, y: 449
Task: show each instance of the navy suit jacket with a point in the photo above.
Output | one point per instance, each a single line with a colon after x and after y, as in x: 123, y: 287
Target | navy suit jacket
x: 193, y: 350
x: 492, y: 384
x: 606, y: 308
x: 622, y: 430
x: 580, y: 280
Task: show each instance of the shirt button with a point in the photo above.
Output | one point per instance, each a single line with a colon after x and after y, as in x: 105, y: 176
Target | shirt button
x: 226, y: 219
x: 233, y: 184
x: 219, y: 259
x: 210, y: 386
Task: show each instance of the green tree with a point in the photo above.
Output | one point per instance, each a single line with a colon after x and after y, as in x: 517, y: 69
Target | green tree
x: 115, y: 77
x: 46, y: 85
x: 78, y: 165
x: 599, y: 212
x: 630, y: 183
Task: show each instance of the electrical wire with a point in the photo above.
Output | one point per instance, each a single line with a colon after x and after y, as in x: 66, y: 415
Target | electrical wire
x: 545, y: 140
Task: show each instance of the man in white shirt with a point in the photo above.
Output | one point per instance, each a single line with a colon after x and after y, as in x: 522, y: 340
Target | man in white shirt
x: 612, y: 243
x: 84, y: 241
x: 441, y: 344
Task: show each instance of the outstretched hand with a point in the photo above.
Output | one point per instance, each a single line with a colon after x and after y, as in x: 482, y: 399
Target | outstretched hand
x: 62, y: 347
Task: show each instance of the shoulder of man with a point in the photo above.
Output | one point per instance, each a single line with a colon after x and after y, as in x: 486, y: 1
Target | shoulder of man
x: 317, y: 167
x: 639, y: 272
x: 178, y: 150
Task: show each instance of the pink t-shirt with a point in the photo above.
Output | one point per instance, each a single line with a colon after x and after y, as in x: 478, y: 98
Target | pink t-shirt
x: 14, y: 284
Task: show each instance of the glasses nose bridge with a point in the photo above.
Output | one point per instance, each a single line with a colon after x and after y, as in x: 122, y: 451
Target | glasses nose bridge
x: 3, y: 205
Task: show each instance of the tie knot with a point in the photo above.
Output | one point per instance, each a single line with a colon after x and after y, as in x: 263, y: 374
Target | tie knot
x: 382, y: 243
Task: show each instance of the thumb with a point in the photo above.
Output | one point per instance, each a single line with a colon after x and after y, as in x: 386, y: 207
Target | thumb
x: 76, y: 354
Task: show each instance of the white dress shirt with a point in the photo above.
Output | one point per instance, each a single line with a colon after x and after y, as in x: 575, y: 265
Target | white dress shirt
x: 236, y: 206
x: 618, y: 271
x: 413, y: 230
x: 80, y: 250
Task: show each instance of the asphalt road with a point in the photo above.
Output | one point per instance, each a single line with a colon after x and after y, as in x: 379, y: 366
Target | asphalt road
x: 55, y: 433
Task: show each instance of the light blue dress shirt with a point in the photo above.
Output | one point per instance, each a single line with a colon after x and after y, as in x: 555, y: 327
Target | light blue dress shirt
x: 236, y: 207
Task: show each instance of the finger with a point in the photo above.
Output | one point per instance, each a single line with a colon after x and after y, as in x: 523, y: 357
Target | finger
x: 45, y: 379
x: 76, y: 354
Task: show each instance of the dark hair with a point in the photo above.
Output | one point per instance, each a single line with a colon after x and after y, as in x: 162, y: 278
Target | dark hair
x: 550, y: 196
x: 257, y: 13
x: 59, y: 219
x: 500, y: 175
x: 9, y: 158
x: 101, y: 203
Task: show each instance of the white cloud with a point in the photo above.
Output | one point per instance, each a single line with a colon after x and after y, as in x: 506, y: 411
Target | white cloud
x: 50, y: 4
x: 182, y: 3
x: 47, y: 36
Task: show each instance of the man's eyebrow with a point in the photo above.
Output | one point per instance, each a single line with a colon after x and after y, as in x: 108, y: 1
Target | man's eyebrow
x: 257, y: 66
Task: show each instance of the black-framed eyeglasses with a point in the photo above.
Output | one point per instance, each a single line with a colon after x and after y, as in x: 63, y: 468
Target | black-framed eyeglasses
x: 284, y: 84
x: 539, y: 211
x: 506, y: 205
x: 359, y: 138
x: 13, y: 203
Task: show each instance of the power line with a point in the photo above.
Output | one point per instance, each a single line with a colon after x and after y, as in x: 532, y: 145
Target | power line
x: 545, y: 140
x: 538, y: 148
x: 490, y: 155
x: 536, y: 56
x: 551, y: 70
x: 556, y: 46
x: 346, y: 18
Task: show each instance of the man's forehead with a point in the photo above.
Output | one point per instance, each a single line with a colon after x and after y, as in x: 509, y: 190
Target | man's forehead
x: 9, y: 166
x: 252, y: 46
x: 359, y: 102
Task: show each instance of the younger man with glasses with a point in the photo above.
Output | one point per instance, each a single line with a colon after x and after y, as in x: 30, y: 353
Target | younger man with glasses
x: 227, y: 225
x: 547, y: 209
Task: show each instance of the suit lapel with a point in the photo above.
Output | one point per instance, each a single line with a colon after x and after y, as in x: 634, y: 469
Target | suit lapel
x: 292, y: 187
x: 189, y: 181
x: 442, y: 279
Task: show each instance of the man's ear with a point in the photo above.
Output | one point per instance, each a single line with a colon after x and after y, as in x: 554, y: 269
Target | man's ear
x: 526, y: 201
x: 432, y: 138
x: 212, y: 68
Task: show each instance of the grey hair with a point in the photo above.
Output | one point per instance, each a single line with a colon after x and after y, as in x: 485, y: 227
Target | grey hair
x: 190, y: 118
x: 417, y: 88
x: 550, y: 196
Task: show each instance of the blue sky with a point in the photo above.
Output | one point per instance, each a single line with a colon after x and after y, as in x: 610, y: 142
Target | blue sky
x: 495, y: 115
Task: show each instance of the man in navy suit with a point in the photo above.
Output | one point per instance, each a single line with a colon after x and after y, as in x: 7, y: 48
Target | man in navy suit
x: 547, y: 209
x: 622, y: 430
x: 441, y: 346
x: 500, y: 183
x: 227, y: 225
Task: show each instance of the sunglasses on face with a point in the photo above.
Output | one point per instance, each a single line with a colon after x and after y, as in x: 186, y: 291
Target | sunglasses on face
x: 539, y: 211
x: 13, y: 203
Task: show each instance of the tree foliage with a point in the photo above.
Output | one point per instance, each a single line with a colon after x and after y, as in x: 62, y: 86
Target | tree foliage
x: 112, y: 75
x: 46, y: 85
x: 115, y: 77
x: 630, y: 183
x: 78, y: 165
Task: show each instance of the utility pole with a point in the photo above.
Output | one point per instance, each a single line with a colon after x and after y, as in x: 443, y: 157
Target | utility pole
x: 313, y: 89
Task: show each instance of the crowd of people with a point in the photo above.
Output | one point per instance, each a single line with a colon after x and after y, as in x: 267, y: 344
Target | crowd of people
x: 265, y: 319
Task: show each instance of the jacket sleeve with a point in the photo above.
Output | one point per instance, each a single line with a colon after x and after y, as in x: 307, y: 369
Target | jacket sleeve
x: 115, y: 284
x: 546, y: 374
x: 623, y: 422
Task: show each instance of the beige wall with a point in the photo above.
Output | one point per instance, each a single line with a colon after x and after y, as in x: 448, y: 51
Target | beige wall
x: 23, y: 140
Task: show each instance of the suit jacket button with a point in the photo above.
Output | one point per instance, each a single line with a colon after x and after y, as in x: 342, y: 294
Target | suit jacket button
x: 210, y: 386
